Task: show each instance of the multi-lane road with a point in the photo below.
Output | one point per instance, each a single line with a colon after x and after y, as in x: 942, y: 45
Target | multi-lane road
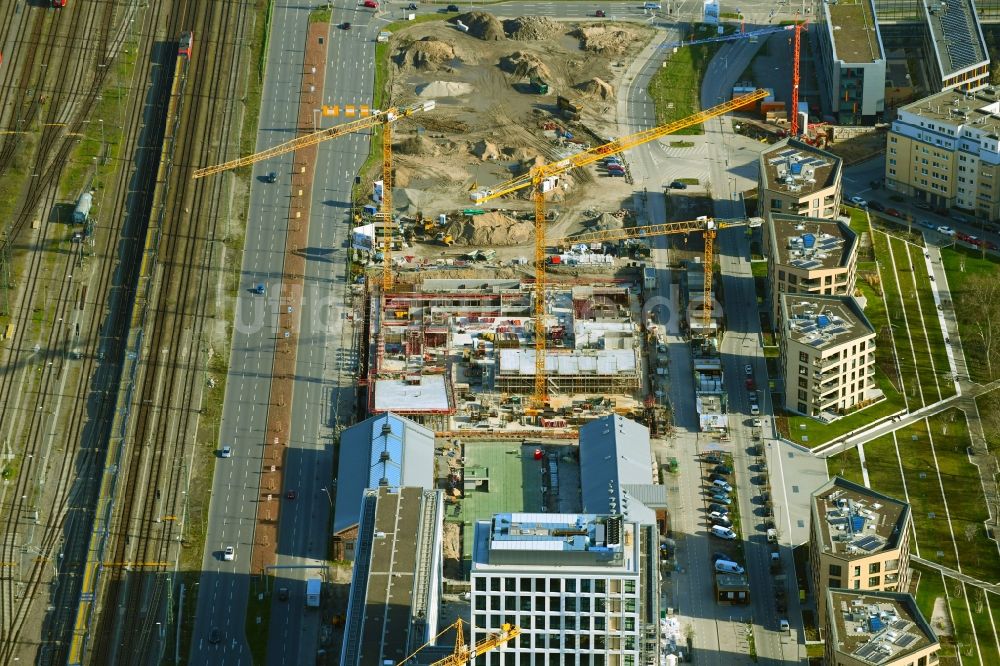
x: 323, y: 392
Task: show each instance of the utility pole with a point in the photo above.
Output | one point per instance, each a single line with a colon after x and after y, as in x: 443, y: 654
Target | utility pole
x: 5, y: 283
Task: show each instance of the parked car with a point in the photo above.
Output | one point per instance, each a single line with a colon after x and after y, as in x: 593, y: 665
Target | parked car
x: 719, y: 484
x: 291, y: 494
x: 721, y: 508
x: 752, y: 397
x: 927, y: 224
x: 723, y: 532
x: 874, y: 205
x: 728, y: 566
x: 754, y: 409
x: 713, y: 458
x: 722, y: 498
x: 411, y: 7
x: 748, y: 370
x: 723, y: 469
x: 946, y: 230
x: 751, y: 385
x: 756, y: 423
x: 370, y: 4
x: 719, y: 555
x: 922, y: 205
x: 452, y: 8
x: 720, y: 519
x: 893, y: 212
x: 716, y: 477
x: 678, y: 185
x: 859, y: 202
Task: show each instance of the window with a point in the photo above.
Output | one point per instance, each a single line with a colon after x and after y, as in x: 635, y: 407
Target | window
x: 803, y: 357
x: 873, y: 581
x: 874, y: 567
x: 803, y: 371
x: 857, y: 585
x: 803, y: 395
x: 776, y: 204
x: 629, y: 587
x: 509, y: 603
x: 599, y: 586
x: 480, y: 585
x: 585, y: 604
x: 629, y: 624
x: 571, y: 585
x: 480, y: 602
x: 801, y: 408
x: 495, y: 584
x: 585, y: 586
x: 630, y: 605
x: 526, y: 585
x: 509, y: 584
x: 834, y: 582
x: 803, y: 382
x: 570, y: 603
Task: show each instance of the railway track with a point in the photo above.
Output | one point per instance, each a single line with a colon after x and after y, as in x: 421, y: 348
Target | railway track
x: 56, y: 391
x: 136, y: 599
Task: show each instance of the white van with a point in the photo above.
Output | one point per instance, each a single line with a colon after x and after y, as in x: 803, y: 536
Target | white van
x: 727, y: 566
x: 723, y: 532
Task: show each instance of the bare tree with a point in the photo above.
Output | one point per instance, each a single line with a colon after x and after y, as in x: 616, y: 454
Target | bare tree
x: 980, y: 299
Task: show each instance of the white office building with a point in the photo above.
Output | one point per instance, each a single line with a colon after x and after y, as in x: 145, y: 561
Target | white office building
x: 583, y: 589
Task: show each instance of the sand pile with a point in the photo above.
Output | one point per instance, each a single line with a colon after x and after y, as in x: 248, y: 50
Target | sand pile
x: 417, y: 144
x: 525, y: 65
x: 482, y: 25
x: 428, y: 54
x: 491, y: 230
x: 597, y: 88
x: 485, y: 150
x: 443, y: 89
x: 608, y: 41
x: 528, y: 28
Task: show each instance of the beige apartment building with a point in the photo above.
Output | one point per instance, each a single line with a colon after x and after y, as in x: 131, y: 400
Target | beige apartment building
x: 945, y: 150
x: 858, y: 540
x: 877, y: 629
x: 799, y: 179
x: 809, y: 256
x: 827, y: 355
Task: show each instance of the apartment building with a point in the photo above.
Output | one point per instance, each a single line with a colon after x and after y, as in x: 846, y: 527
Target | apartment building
x: 809, y: 256
x: 859, y: 539
x: 583, y: 589
x: 851, y: 61
x: 827, y: 355
x: 799, y: 179
x: 877, y: 629
x: 945, y: 150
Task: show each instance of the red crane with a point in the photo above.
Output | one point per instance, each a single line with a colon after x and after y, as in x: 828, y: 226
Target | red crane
x: 795, y: 79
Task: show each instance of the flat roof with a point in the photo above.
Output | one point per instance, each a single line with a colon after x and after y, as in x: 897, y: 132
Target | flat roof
x: 852, y: 26
x: 390, y: 576
x: 980, y: 109
x: 824, y: 321
x: 423, y: 393
x: 809, y: 243
x: 562, y: 540
x: 794, y: 167
x: 614, y: 452
x: 575, y: 362
x: 858, y: 522
x: 876, y: 627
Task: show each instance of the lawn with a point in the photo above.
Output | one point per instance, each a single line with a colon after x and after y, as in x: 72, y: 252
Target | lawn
x: 883, y: 467
x: 961, y: 266
x: 820, y: 433
x: 964, y: 637
x: 676, y: 87
x: 901, y: 332
x: 846, y: 465
x: 930, y: 587
x: 986, y: 635
x: 935, y: 336
x: 960, y: 478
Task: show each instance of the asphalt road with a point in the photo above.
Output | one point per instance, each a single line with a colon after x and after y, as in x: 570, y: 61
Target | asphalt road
x: 225, y: 586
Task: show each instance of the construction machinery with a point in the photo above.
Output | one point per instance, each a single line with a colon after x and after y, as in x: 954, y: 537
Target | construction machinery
x: 710, y: 226
x: 385, y: 119
x: 542, y: 178
x: 464, y: 653
x: 794, y: 130
x: 752, y: 35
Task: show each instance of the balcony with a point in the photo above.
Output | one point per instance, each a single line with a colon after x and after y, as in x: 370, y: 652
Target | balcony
x: 826, y: 363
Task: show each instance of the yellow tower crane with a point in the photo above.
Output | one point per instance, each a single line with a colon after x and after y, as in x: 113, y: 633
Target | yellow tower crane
x: 710, y: 226
x: 541, y: 179
x: 463, y: 653
x: 384, y: 118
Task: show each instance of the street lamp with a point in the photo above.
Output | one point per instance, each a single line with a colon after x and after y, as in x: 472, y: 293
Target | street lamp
x: 326, y: 490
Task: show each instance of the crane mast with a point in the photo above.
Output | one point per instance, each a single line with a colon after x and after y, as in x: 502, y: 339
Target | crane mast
x: 540, y: 175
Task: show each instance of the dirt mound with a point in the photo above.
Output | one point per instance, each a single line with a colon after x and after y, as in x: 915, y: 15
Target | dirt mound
x: 597, y: 88
x: 528, y: 28
x: 605, y: 222
x: 519, y: 153
x: 428, y: 54
x: 526, y: 65
x: 608, y: 41
x: 485, y: 150
x: 491, y: 230
x: 417, y: 145
x: 443, y: 89
x: 401, y: 176
x: 482, y: 25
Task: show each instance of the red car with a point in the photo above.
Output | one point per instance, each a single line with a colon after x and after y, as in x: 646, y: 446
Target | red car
x: 371, y: 4
x: 58, y: 4
x: 893, y: 212
x: 751, y: 385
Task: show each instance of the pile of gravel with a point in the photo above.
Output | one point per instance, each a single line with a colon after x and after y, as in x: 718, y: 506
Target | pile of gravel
x: 527, y: 28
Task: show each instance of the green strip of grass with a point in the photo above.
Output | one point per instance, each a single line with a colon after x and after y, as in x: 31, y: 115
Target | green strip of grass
x: 883, y: 467
x: 984, y: 628
x: 894, y: 311
x: 846, y: 465
x: 964, y: 637
x: 966, y: 503
x: 933, y: 533
x: 926, y: 371
x: 930, y: 588
x: 935, y: 336
x: 676, y: 87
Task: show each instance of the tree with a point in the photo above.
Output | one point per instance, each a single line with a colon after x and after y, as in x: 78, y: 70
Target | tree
x: 980, y: 301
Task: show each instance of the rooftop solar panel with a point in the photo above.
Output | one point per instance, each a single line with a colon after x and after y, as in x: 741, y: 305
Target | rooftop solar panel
x: 899, y: 625
x: 905, y: 640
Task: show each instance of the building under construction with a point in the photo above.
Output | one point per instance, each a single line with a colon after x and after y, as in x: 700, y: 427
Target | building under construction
x: 447, y: 342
